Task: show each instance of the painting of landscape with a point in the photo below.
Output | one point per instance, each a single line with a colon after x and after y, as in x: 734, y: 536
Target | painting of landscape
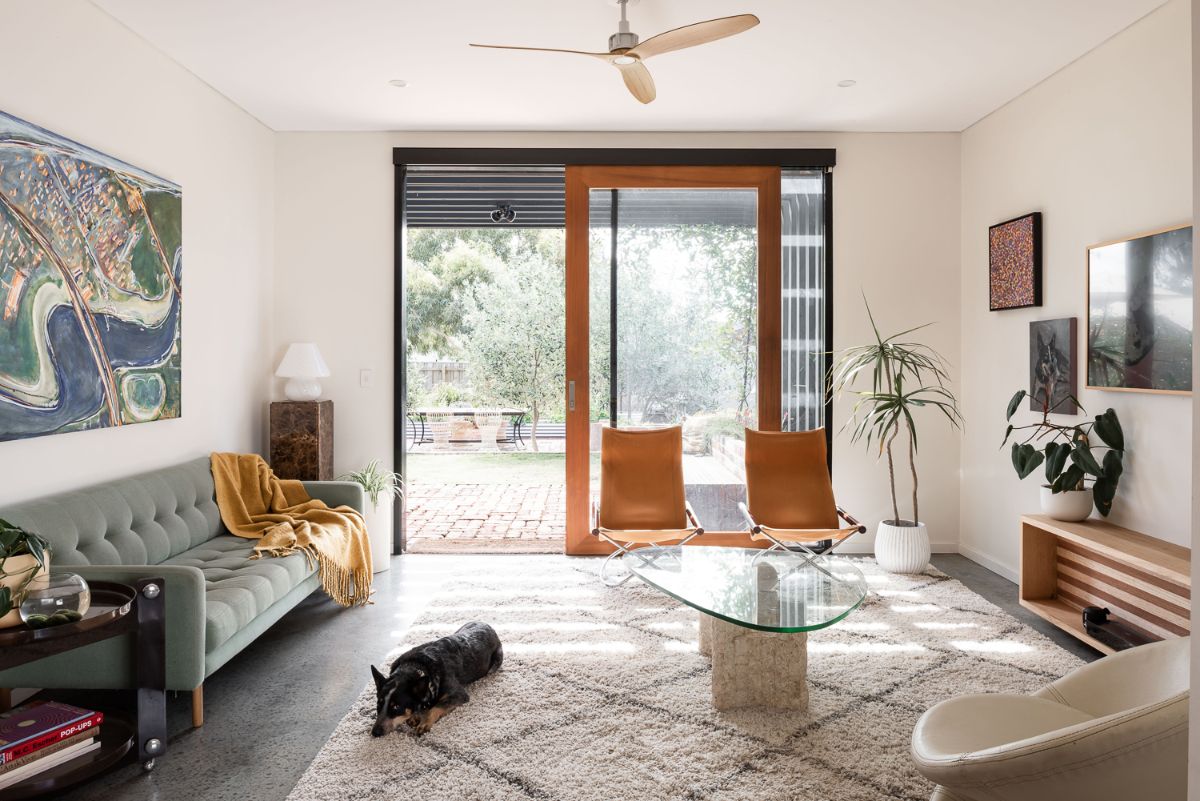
x: 90, y: 287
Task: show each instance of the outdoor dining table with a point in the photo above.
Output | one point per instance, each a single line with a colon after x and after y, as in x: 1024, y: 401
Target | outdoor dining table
x: 422, y: 428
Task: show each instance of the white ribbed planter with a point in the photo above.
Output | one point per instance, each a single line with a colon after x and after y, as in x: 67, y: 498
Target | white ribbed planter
x: 902, y: 549
x: 378, y: 518
x: 1072, y: 505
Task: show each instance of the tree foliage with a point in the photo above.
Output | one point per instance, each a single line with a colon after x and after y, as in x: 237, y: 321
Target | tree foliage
x: 445, y: 265
x: 731, y: 287
x: 687, y: 330
x: 436, y: 292
x: 687, y: 337
x: 515, y: 338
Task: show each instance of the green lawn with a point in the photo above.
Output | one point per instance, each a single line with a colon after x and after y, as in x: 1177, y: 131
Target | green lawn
x: 489, y: 468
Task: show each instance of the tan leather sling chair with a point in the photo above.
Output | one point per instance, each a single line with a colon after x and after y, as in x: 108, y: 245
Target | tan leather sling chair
x: 790, y: 494
x: 641, y: 494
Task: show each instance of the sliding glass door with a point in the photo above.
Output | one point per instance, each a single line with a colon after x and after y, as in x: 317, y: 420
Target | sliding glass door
x: 674, y: 318
x: 673, y: 288
x: 685, y: 295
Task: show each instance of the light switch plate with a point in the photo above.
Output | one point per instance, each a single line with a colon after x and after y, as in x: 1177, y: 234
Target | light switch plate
x: 366, y: 378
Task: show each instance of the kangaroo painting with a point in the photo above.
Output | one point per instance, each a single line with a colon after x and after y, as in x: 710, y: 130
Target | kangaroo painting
x: 1052, y: 367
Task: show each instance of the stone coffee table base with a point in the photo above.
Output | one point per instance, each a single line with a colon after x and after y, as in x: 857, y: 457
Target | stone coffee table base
x: 752, y: 668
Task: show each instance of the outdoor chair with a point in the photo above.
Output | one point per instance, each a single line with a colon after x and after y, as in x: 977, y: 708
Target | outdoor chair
x: 642, y: 501
x: 488, y: 421
x: 790, y: 493
x: 440, y: 424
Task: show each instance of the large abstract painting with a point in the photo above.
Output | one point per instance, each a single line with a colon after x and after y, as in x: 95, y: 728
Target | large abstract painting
x: 90, y: 287
x: 1140, y: 312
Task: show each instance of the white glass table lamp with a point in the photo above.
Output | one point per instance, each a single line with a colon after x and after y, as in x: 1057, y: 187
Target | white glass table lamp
x: 302, y: 365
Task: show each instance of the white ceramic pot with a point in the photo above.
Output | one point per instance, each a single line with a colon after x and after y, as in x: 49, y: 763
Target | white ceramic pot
x: 1072, y: 505
x: 17, y: 568
x: 379, y: 531
x: 902, y: 549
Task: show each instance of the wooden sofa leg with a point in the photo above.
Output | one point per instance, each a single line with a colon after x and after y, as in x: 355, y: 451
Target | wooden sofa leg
x: 198, y: 707
x: 5, y: 699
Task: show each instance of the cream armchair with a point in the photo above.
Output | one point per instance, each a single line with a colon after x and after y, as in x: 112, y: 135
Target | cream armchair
x: 1113, y: 730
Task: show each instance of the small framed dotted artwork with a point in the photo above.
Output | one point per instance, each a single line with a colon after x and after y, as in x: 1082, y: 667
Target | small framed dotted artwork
x: 1015, y: 263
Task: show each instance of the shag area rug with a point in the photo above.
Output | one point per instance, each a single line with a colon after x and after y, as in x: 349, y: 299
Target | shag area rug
x: 604, y: 697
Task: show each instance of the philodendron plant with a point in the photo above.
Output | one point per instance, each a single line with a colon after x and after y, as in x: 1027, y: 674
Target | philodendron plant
x: 16, y: 541
x: 1068, y: 453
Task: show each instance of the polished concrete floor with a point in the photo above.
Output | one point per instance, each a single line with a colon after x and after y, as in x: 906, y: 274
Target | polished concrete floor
x: 1003, y: 593
x: 273, y: 706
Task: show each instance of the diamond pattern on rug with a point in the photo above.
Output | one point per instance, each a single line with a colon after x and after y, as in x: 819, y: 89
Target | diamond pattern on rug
x: 784, y: 776
x: 604, y: 695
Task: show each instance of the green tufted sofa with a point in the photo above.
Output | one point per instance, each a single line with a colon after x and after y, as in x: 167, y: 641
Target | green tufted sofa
x: 166, y: 523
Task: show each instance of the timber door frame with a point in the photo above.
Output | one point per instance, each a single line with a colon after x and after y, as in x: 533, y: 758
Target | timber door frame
x: 580, y: 180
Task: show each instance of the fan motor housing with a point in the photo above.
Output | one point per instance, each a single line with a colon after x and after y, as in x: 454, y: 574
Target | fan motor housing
x: 624, y: 40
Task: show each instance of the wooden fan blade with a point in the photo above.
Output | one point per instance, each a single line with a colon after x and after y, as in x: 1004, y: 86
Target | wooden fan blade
x: 637, y: 80
x: 605, y: 56
x: 692, y: 35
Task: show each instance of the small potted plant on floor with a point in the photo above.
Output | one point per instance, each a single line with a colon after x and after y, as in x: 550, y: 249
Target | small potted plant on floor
x: 23, y: 556
x: 905, y: 379
x: 382, y: 488
x: 1070, y: 461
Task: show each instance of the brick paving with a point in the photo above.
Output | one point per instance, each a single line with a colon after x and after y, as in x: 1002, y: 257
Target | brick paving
x: 485, y: 514
x: 521, y: 517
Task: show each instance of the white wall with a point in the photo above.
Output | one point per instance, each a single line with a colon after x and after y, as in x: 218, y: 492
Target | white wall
x: 896, y: 201
x: 289, y: 236
x: 1194, y: 707
x: 69, y: 67
x: 1104, y: 150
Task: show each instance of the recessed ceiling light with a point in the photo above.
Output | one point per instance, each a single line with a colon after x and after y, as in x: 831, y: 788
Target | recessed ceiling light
x: 846, y: 84
x: 398, y: 83
x: 624, y: 60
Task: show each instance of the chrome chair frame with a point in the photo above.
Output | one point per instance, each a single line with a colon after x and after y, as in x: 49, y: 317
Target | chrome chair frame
x: 797, y: 546
x: 629, y: 547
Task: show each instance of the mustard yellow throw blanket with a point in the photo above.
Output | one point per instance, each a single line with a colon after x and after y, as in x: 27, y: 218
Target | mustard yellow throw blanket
x: 257, y: 505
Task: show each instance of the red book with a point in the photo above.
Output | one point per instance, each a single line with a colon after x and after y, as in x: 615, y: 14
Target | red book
x: 34, y: 726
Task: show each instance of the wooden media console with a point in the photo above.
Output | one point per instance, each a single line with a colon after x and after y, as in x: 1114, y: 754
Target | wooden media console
x: 1145, y: 582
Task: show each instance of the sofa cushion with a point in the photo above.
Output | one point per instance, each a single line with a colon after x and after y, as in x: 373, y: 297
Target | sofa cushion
x: 142, y: 520
x: 237, y: 588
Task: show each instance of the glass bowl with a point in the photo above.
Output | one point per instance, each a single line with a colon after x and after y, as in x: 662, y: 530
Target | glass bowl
x: 55, y: 599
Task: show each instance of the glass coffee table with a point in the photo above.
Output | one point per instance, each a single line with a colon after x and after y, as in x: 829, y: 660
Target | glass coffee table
x: 756, y: 609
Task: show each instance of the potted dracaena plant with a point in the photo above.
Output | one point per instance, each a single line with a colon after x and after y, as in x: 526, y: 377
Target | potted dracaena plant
x: 23, y: 556
x: 902, y: 379
x: 382, y: 488
x: 1070, y: 463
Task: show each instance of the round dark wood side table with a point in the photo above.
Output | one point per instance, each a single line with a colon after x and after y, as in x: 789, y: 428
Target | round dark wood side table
x: 117, y: 609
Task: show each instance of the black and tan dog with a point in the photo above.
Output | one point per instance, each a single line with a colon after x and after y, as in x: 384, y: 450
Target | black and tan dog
x: 428, y: 681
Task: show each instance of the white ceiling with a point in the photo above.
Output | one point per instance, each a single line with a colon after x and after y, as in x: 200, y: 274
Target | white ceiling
x: 921, y: 65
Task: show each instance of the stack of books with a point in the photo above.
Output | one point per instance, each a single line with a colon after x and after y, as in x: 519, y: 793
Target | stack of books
x: 38, y: 736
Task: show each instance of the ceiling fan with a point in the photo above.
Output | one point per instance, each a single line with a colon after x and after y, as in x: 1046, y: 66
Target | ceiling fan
x: 627, y: 54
